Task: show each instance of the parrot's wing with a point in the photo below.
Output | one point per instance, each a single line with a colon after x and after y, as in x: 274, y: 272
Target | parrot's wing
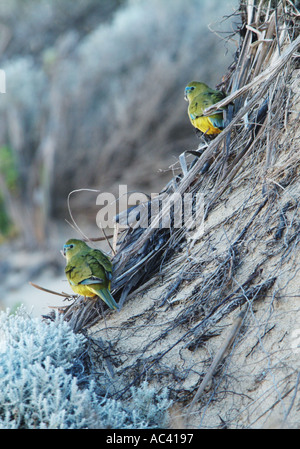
x: 91, y: 281
x: 78, y: 270
x: 100, y: 262
x: 213, y: 98
x: 203, y: 101
x: 98, y: 266
x: 89, y: 268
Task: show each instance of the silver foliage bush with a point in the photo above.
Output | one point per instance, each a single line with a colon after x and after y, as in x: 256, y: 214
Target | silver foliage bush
x: 37, y: 389
x: 147, y: 407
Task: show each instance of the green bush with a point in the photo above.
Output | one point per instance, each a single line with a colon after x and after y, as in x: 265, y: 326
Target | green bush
x: 8, y: 167
x: 9, y: 177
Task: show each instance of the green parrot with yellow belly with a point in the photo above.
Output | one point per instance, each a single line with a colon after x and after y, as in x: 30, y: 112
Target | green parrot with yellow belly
x: 89, y: 271
x: 200, y: 97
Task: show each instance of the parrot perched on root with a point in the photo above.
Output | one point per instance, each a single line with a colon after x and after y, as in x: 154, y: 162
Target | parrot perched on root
x: 200, y: 97
x: 89, y: 271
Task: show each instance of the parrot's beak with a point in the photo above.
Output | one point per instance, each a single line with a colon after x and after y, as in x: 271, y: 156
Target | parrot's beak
x: 64, y: 251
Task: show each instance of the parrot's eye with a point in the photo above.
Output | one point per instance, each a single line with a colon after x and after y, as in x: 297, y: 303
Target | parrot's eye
x: 192, y: 88
x: 71, y: 246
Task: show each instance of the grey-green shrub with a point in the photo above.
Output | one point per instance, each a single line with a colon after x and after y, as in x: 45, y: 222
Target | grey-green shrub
x: 38, y: 390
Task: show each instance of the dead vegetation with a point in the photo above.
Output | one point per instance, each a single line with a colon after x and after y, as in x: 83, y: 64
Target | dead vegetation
x: 181, y: 294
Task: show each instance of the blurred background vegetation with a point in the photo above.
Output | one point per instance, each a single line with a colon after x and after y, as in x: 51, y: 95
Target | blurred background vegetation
x: 94, y: 99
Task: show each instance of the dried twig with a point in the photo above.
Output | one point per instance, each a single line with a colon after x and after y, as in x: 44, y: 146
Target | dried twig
x: 64, y: 295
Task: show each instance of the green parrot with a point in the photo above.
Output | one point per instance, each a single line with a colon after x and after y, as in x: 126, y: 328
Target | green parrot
x: 200, y: 97
x: 89, y: 271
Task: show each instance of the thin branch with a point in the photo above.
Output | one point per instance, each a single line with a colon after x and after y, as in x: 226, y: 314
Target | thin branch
x: 64, y: 295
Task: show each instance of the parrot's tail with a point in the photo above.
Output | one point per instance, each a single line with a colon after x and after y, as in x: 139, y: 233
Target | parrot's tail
x: 106, y: 296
